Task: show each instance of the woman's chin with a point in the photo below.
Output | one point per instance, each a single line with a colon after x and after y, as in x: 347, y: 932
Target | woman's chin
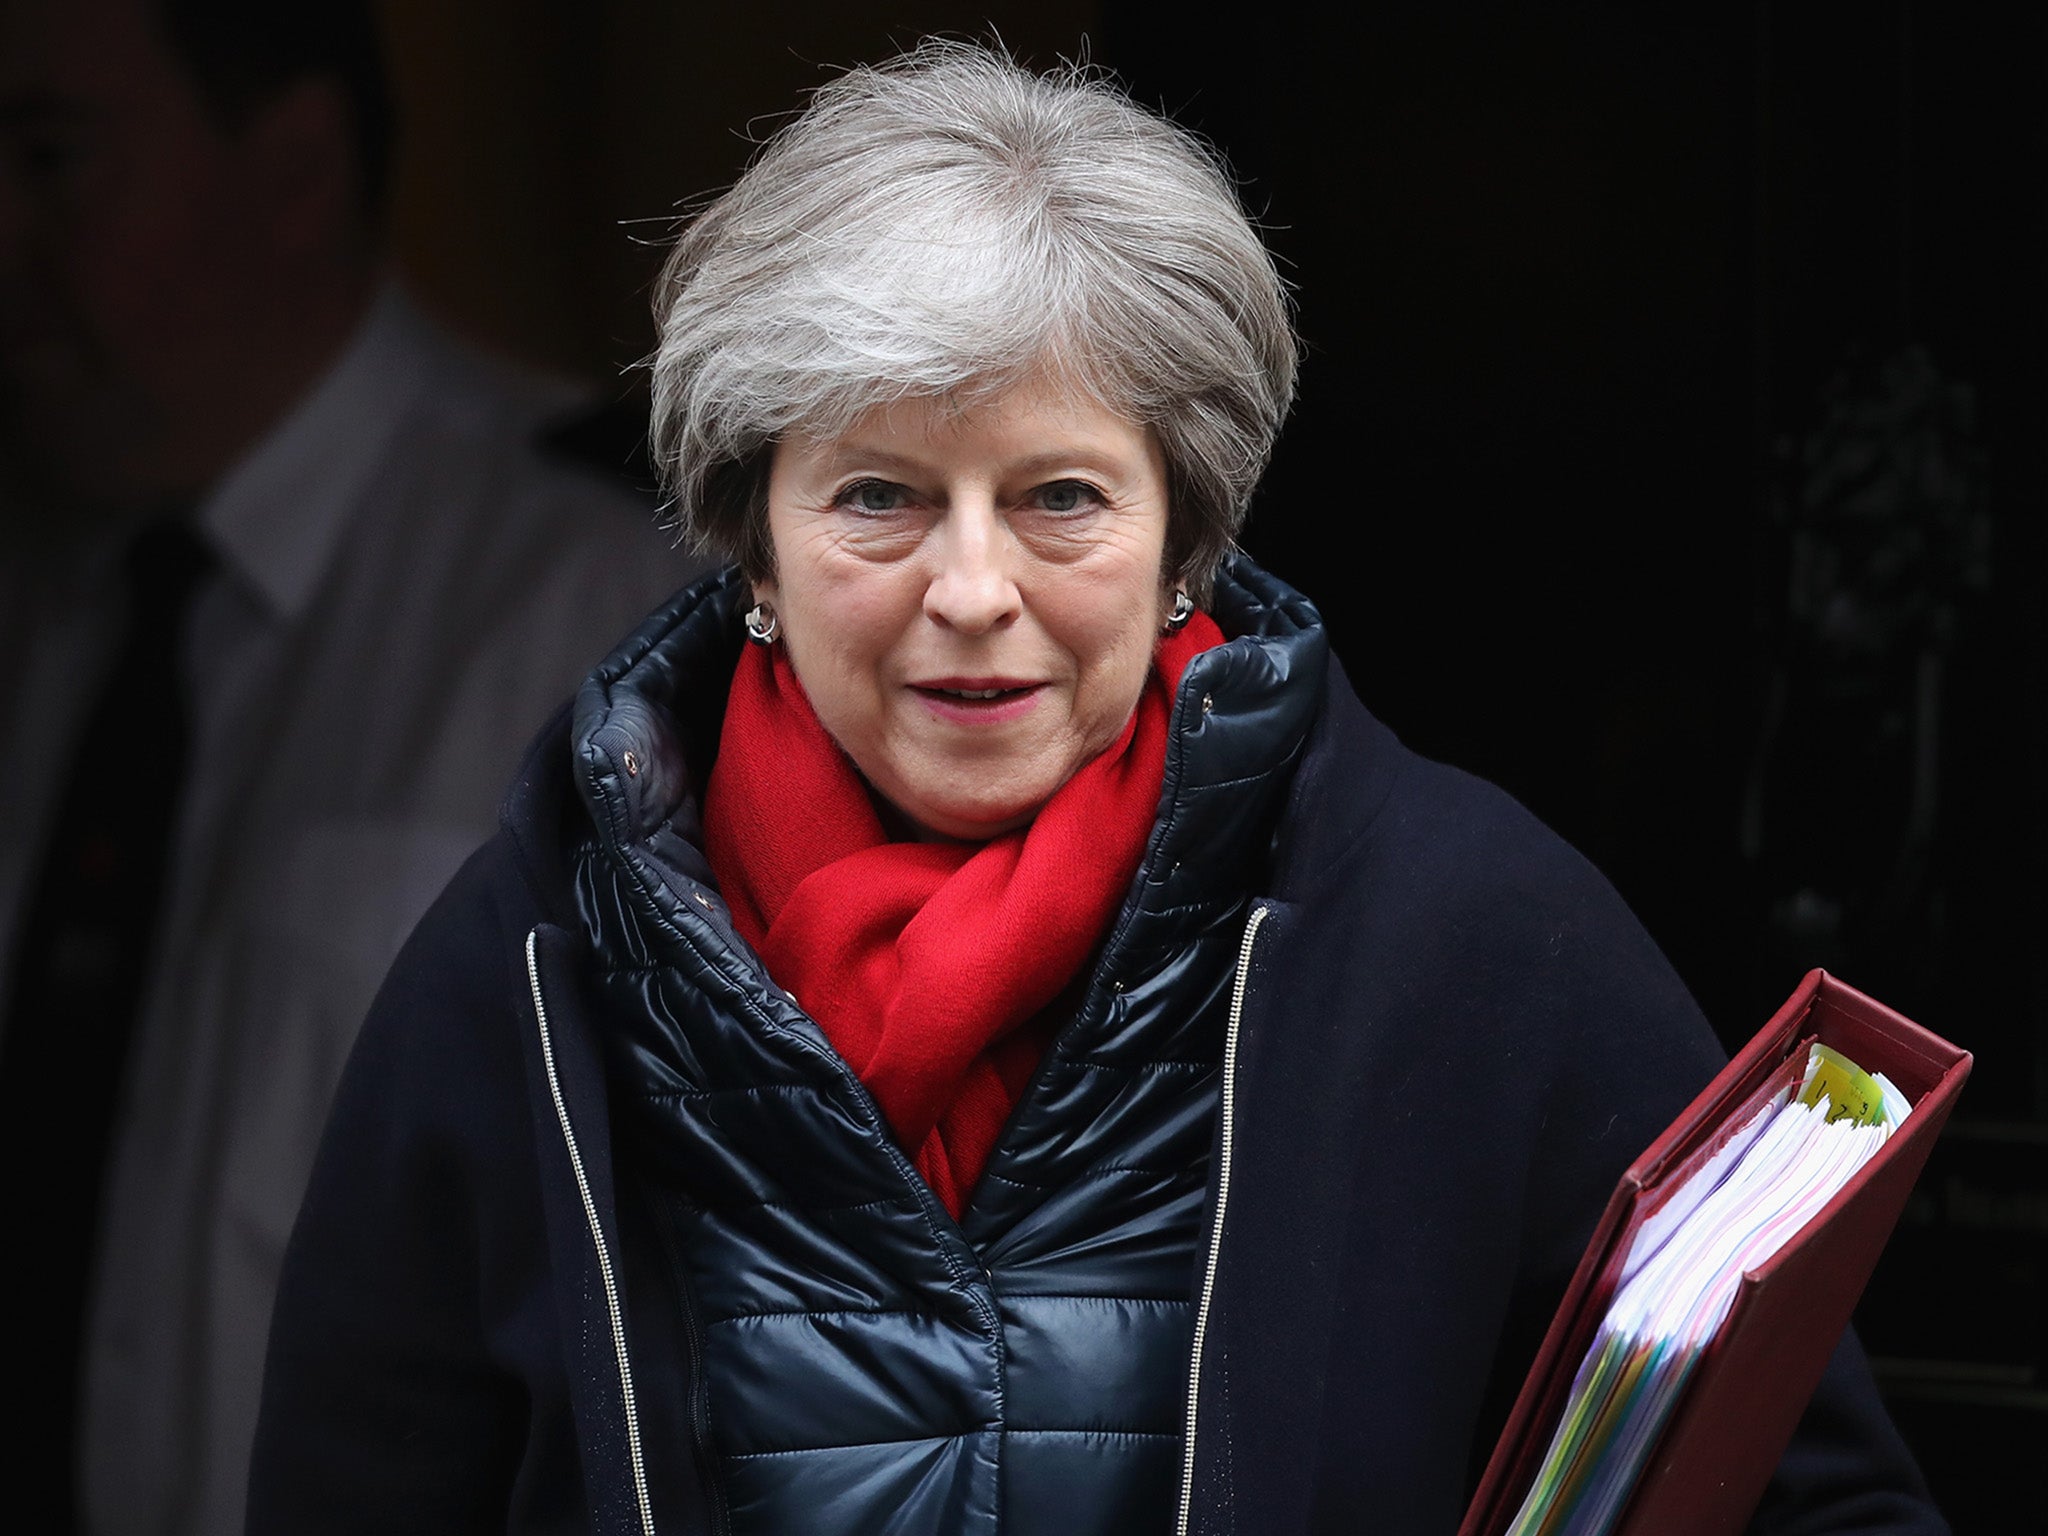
x: 953, y: 821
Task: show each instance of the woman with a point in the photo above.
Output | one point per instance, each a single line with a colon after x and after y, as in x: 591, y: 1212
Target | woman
x: 970, y: 1026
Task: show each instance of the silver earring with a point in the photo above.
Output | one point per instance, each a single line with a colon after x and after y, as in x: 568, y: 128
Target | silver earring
x: 762, y: 624
x: 1178, y: 615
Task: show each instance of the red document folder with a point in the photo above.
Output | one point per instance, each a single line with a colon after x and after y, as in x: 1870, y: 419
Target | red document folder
x: 1724, y: 1438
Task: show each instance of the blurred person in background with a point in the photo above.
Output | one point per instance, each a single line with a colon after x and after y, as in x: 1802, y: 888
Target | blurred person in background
x: 287, y: 578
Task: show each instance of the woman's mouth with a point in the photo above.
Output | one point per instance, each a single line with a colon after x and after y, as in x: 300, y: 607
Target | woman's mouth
x: 977, y: 698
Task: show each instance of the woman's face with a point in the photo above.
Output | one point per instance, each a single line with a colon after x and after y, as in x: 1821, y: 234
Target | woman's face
x: 971, y: 600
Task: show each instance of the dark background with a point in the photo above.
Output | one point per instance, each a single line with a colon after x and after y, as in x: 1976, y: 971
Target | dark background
x: 1670, y: 450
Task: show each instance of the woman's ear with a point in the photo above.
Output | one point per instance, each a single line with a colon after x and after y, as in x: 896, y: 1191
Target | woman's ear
x: 1176, y: 606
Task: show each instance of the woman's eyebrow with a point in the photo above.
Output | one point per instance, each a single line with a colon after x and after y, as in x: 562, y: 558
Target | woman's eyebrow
x: 847, y: 453
x: 1104, y: 461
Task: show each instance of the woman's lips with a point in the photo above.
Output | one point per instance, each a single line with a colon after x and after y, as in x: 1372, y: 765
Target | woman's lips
x: 977, y: 700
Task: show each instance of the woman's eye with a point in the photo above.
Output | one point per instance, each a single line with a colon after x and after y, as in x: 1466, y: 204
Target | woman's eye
x: 1066, y: 496
x: 872, y: 496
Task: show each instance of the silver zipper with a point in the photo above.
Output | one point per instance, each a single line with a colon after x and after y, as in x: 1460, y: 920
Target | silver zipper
x: 1244, y: 967
x: 604, y: 1258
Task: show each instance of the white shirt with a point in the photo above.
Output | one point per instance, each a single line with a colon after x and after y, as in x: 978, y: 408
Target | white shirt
x: 408, y: 585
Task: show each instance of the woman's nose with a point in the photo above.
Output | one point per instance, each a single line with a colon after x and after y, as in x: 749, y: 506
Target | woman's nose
x: 973, y: 588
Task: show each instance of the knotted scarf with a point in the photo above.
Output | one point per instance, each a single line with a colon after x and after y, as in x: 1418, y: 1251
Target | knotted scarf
x: 930, y: 966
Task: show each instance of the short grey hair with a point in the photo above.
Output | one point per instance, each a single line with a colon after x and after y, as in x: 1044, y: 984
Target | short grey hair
x: 949, y: 225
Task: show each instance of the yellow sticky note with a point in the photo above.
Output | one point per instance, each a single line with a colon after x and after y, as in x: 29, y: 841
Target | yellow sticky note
x: 1850, y: 1091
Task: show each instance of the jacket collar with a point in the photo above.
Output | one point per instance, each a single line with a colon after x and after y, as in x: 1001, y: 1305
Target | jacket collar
x: 317, y: 461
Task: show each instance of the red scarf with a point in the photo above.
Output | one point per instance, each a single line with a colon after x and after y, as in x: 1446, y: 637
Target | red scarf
x: 926, y: 964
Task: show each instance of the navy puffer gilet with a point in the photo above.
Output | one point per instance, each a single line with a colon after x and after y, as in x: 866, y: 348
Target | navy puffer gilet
x: 868, y: 1363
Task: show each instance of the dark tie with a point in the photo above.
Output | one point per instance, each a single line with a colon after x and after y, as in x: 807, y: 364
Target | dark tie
x: 82, y: 957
